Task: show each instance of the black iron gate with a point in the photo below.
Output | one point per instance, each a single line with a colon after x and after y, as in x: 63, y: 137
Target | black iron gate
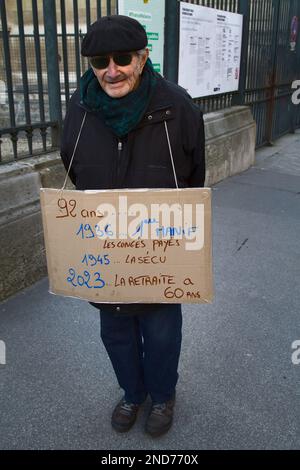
x: 270, y: 63
x: 40, y: 66
x: 273, y: 63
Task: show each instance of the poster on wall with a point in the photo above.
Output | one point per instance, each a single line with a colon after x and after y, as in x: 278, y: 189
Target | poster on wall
x: 209, y: 50
x: 151, y: 14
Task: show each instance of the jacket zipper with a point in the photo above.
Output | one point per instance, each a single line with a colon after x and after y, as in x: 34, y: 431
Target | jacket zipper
x: 120, y: 148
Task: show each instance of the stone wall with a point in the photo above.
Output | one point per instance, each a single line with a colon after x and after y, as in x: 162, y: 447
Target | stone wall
x: 230, y: 142
x: 230, y: 149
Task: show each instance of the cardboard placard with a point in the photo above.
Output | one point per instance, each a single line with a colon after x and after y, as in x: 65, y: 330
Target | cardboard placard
x: 129, y: 246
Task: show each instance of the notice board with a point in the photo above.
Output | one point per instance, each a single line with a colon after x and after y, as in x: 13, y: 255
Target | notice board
x: 129, y: 246
x: 209, y: 50
x: 151, y: 15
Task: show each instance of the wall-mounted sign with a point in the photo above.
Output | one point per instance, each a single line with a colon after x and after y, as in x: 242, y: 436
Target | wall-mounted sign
x: 151, y: 14
x: 209, y: 50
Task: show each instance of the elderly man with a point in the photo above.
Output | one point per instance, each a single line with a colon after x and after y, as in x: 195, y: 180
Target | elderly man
x: 127, y: 127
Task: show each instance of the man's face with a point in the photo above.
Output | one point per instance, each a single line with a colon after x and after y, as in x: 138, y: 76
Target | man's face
x: 117, y: 81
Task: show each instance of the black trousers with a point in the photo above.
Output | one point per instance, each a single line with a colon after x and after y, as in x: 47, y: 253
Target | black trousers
x: 144, y: 350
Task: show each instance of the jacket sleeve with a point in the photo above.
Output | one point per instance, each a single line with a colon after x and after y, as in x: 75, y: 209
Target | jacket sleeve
x: 71, y: 125
x: 197, y: 177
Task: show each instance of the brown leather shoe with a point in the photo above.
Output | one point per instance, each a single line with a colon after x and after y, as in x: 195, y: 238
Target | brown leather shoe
x: 124, y: 416
x: 160, y: 418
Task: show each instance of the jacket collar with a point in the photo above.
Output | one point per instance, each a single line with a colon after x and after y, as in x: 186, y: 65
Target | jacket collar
x: 160, y: 107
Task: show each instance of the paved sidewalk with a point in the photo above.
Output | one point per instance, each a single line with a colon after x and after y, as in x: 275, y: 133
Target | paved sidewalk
x: 238, y: 387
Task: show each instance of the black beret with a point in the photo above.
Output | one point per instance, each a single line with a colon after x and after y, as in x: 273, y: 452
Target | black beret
x: 116, y: 33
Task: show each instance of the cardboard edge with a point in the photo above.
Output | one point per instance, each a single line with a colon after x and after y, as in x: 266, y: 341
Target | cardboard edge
x: 45, y: 234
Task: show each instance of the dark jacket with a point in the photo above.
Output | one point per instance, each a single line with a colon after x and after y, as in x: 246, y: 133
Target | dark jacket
x: 142, y: 158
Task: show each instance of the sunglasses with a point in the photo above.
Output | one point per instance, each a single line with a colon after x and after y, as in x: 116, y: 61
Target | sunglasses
x: 102, y: 62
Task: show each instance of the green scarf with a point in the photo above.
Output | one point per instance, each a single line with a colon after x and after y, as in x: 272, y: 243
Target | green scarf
x: 120, y: 114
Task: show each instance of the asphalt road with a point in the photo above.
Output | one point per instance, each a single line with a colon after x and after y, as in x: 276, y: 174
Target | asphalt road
x: 238, y: 387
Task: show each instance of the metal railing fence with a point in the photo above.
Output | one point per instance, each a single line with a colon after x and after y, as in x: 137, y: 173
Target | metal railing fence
x: 41, y: 65
x: 37, y: 79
